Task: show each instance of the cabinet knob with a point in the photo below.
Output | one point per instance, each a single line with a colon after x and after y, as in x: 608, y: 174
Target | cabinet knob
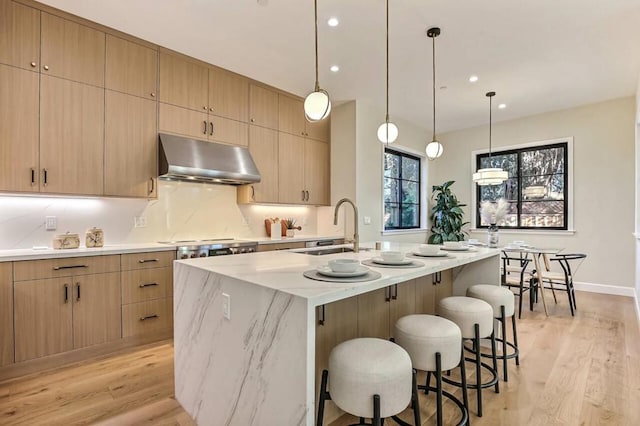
x: 153, y: 94
x: 204, y: 108
x: 211, y: 109
x: 33, y: 64
x: 46, y: 67
x: 253, y: 120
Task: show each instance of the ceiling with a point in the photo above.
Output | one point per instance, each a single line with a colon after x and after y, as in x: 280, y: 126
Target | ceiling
x: 538, y: 55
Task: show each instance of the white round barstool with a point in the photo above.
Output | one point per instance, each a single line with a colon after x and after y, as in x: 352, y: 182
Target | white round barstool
x: 370, y: 378
x: 434, y: 345
x: 502, y: 302
x: 475, y: 319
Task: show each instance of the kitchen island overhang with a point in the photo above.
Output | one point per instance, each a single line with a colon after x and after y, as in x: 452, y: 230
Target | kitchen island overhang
x: 258, y: 367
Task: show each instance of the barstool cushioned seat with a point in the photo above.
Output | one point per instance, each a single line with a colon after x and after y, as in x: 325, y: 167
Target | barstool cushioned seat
x: 496, y: 296
x: 361, y: 368
x: 424, y: 335
x: 466, y: 312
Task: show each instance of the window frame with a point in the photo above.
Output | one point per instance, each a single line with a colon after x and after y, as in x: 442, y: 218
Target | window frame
x: 404, y: 153
x: 568, y: 184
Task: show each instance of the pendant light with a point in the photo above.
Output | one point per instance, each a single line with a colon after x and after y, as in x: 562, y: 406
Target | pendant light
x: 387, y: 132
x: 434, y: 148
x: 490, y: 175
x: 317, y: 104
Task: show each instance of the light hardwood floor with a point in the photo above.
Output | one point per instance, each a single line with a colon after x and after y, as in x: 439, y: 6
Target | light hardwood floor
x: 574, y: 371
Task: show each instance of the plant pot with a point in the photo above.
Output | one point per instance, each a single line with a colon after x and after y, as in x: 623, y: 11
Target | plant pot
x: 291, y: 232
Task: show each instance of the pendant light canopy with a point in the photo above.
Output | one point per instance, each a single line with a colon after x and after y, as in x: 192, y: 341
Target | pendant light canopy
x: 317, y: 104
x: 434, y: 148
x: 491, y: 175
x: 387, y: 132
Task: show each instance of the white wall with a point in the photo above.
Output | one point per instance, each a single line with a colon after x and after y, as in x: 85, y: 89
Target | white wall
x: 182, y: 211
x: 637, y: 233
x: 604, y: 193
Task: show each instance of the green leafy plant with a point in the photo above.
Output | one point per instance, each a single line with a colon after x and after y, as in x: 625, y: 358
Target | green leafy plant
x: 290, y: 223
x: 446, y: 215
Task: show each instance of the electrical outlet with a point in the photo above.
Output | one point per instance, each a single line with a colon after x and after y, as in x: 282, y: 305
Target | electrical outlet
x: 51, y: 223
x: 367, y: 220
x: 226, y: 306
x: 140, y: 221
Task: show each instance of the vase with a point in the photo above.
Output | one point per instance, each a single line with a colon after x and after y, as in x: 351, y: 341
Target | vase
x: 492, y: 236
x: 291, y: 233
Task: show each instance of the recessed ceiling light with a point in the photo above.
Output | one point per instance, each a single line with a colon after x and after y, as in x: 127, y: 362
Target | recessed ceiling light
x: 334, y: 68
x: 502, y: 106
x: 473, y: 79
x: 333, y: 22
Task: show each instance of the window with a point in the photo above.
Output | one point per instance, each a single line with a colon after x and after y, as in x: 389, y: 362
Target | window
x: 537, y: 188
x: 401, y: 190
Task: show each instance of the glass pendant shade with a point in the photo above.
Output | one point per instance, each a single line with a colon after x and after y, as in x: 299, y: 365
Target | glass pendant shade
x: 434, y: 150
x: 387, y: 132
x: 490, y: 176
x: 317, y: 105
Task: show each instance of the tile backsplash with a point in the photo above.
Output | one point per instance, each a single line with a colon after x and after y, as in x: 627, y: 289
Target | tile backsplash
x: 182, y: 211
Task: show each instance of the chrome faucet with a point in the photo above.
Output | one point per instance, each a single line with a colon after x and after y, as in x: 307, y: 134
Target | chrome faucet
x: 356, y: 238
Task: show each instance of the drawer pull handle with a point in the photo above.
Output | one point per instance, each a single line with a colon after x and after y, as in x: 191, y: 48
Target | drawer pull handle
x: 148, y: 285
x: 148, y: 260
x: 78, y: 291
x: 59, y: 268
x: 149, y: 317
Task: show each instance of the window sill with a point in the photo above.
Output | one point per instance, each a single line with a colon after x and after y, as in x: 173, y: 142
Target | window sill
x: 526, y: 231
x: 404, y: 231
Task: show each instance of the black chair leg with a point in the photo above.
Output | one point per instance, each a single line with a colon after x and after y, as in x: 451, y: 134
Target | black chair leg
x: 520, y: 299
x: 377, y: 421
x: 427, y: 383
x: 515, y: 337
x: 463, y: 374
x: 323, y: 397
x: 438, y: 389
x: 495, y: 359
x: 571, y: 298
x: 415, y: 400
x: 476, y: 345
x: 503, y: 325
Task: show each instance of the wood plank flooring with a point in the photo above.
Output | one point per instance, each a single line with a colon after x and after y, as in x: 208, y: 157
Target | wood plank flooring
x: 573, y: 371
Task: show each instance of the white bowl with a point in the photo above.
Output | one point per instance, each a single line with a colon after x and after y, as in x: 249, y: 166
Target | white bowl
x: 392, y: 256
x: 453, y: 244
x: 428, y: 249
x: 344, y: 265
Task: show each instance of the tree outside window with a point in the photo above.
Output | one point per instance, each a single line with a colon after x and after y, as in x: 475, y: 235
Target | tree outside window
x: 401, y: 190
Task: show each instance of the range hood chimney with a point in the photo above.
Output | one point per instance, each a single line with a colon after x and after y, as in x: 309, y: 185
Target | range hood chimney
x: 193, y: 160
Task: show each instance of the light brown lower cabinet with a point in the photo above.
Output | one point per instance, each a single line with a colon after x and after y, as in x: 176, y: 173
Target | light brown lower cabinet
x: 146, y: 317
x: 6, y: 313
x: 96, y: 309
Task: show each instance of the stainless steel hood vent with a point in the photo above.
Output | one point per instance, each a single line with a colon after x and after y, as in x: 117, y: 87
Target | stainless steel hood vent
x: 193, y: 160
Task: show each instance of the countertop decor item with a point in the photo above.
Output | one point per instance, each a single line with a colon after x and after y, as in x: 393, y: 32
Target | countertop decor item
x: 492, y: 214
x: 94, y: 237
x: 290, y: 227
x: 317, y: 104
x: 387, y: 132
x: 434, y: 148
x: 66, y: 241
x: 446, y: 215
x: 490, y: 175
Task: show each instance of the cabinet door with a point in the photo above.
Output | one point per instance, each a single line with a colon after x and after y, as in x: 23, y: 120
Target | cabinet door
x: 291, y: 115
x: 183, y: 83
x: 373, y: 313
x: 6, y: 313
x: 263, y: 107
x: 319, y: 130
x: 72, y: 51
x: 131, y: 140
x: 290, y: 169
x: 228, y: 95
x: 131, y: 68
x: 71, y: 137
x: 316, y: 171
x: 425, y: 295
x: 403, y: 302
x: 263, y: 145
x: 228, y: 131
x: 19, y: 35
x: 96, y: 309
x: 183, y: 121
x: 43, y: 318
x: 146, y: 284
x: 18, y: 130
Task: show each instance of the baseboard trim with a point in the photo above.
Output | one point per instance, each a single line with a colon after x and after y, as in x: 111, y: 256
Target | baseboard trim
x: 637, y: 296
x: 614, y: 290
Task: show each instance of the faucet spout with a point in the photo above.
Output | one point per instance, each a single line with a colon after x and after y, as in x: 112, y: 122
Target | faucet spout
x: 356, y: 237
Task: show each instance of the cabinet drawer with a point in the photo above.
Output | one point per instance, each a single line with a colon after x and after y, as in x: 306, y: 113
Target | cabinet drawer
x: 158, y: 259
x: 145, y: 317
x: 281, y: 246
x: 65, y: 267
x: 146, y: 284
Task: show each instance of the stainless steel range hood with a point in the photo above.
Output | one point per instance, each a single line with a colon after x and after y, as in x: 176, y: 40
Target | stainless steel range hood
x: 193, y: 160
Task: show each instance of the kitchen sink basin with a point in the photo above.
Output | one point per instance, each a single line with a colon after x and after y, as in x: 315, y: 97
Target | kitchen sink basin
x: 333, y: 250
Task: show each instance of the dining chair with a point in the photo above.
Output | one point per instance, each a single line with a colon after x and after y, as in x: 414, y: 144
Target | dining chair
x: 515, y: 275
x: 563, y: 279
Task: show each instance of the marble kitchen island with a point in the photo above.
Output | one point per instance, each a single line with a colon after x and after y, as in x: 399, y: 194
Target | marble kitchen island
x: 259, y: 366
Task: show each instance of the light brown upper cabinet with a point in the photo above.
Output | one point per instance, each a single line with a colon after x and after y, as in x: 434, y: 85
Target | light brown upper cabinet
x: 183, y: 121
x: 263, y: 146
x: 228, y: 95
x: 18, y: 130
x: 72, y: 51
x: 291, y: 188
x: 263, y: 107
x: 71, y: 137
x: 228, y: 131
x: 130, y: 162
x: 131, y: 68
x: 19, y: 35
x: 183, y: 82
x: 319, y: 130
x: 291, y: 119
x: 316, y: 172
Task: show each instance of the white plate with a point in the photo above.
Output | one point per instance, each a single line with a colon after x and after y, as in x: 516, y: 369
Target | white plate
x: 325, y: 270
x: 438, y: 254
x: 381, y: 261
x: 463, y: 248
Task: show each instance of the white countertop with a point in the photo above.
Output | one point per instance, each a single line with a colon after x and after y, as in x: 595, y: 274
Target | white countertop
x: 297, y: 238
x: 33, y: 254
x: 282, y: 270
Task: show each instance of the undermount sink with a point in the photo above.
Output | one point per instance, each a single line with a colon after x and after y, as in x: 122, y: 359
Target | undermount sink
x: 333, y: 250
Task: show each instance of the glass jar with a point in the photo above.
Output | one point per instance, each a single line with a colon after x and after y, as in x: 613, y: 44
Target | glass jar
x: 492, y: 236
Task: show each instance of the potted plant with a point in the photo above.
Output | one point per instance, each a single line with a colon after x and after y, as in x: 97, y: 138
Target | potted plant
x: 446, y: 215
x: 290, y: 225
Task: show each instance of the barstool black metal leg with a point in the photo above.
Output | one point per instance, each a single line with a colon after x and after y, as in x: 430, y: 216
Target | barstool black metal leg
x: 495, y: 360
x: 463, y: 375
x: 438, y: 389
x: 520, y: 298
x: 427, y: 383
x: 376, y: 410
x: 476, y: 345
x: 503, y: 324
x: 416, y: 400
x: 323, y: 392
x: 515, y: 337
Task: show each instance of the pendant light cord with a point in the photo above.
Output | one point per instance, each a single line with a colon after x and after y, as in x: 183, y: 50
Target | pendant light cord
x: 434, y: 87
x: 490, y: 104
x: 387, y: 116
x: 315, y: 9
